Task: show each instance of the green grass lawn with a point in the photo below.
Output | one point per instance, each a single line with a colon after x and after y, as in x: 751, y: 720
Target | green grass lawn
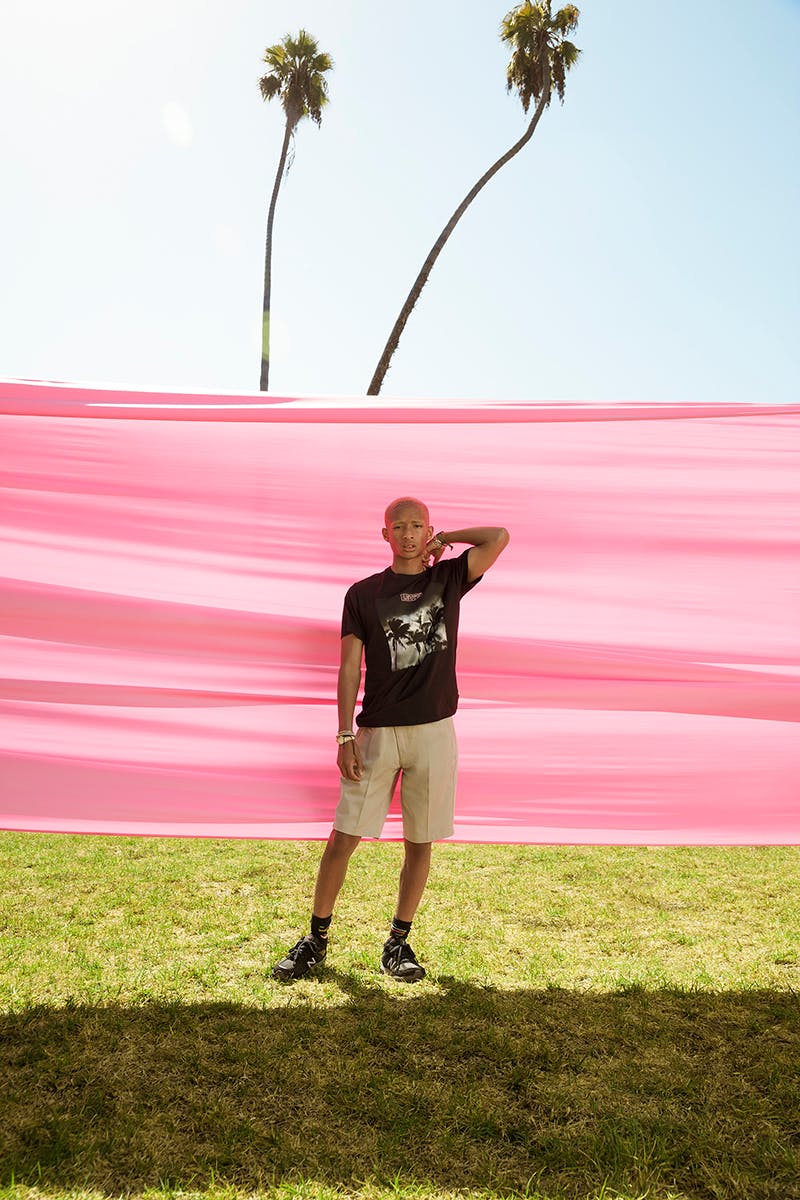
x: 595, y: 1023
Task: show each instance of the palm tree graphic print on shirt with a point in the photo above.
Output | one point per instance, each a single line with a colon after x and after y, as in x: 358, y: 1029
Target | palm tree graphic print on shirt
x: 414, y: 626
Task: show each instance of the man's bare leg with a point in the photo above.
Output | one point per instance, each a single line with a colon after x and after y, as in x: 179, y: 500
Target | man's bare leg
x: 310, y: 952
x: 398, y: 959
x: 332, y: 870
x: 413, y: 877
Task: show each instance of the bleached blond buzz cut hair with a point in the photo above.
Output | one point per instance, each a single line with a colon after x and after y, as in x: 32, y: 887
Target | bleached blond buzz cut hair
x: 404, y: 502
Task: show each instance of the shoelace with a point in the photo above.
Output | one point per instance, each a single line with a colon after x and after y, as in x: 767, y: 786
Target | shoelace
x: 302, y: 951
x: 401, y: 953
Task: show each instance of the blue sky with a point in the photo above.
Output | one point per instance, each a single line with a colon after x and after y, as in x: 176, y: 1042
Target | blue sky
x: 643, y: 247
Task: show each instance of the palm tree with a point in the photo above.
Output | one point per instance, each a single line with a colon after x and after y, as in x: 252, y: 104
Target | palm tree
x: 398, y: 631
x: 297, y: 77
x: 540, y: 59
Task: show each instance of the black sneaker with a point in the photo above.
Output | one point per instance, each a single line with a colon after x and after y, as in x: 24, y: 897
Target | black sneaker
x: 303, y: 957
x: 400, y: 961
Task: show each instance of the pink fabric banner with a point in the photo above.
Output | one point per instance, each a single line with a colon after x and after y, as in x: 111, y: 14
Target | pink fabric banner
x: 173, y: 570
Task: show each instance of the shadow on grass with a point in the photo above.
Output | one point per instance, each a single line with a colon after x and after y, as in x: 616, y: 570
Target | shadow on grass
x: 464, y: 1087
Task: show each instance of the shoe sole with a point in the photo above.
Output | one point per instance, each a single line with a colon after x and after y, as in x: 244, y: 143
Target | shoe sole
x: 285, y: 977
x: 405, y: 978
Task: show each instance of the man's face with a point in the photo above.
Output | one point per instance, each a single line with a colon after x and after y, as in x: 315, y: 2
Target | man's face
x: 408, y: 531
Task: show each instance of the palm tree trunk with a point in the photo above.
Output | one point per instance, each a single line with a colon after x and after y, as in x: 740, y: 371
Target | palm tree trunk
x: 264, y: 386
x: 405, y: 312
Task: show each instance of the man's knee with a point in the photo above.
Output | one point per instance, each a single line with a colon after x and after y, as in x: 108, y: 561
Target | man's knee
x: 341, y: 844
x: 417, y: 850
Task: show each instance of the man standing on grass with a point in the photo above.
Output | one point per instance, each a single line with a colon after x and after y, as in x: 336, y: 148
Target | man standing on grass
x: 405, y: 621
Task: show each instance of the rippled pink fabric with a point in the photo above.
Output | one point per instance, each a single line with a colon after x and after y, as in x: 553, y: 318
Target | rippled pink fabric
x: 173, y: 574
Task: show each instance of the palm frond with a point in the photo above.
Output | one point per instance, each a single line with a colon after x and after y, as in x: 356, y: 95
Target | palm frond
x: 270, y: 86
x: 566, y: 19
x: 275, y: 57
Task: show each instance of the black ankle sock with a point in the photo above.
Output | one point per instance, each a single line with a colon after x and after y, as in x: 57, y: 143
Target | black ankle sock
x: 400, y: 929
x: 319, y: 927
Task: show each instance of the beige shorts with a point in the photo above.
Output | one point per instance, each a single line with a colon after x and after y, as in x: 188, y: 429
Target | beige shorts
x: 427, y: 758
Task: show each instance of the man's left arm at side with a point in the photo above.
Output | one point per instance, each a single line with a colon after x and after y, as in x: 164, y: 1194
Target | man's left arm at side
x: 349, y: 679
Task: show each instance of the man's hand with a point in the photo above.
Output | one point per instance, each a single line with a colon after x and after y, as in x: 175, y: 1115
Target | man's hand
x: 433, y: 552
x: 349, y: 761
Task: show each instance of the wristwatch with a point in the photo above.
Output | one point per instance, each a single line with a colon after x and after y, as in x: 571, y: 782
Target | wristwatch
x: 345, y: 736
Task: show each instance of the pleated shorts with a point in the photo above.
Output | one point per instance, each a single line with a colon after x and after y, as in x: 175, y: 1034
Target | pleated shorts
x: 425, y: 759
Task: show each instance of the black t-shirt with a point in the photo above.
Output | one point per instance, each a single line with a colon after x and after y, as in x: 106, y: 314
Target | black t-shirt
x: 409, y: 627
